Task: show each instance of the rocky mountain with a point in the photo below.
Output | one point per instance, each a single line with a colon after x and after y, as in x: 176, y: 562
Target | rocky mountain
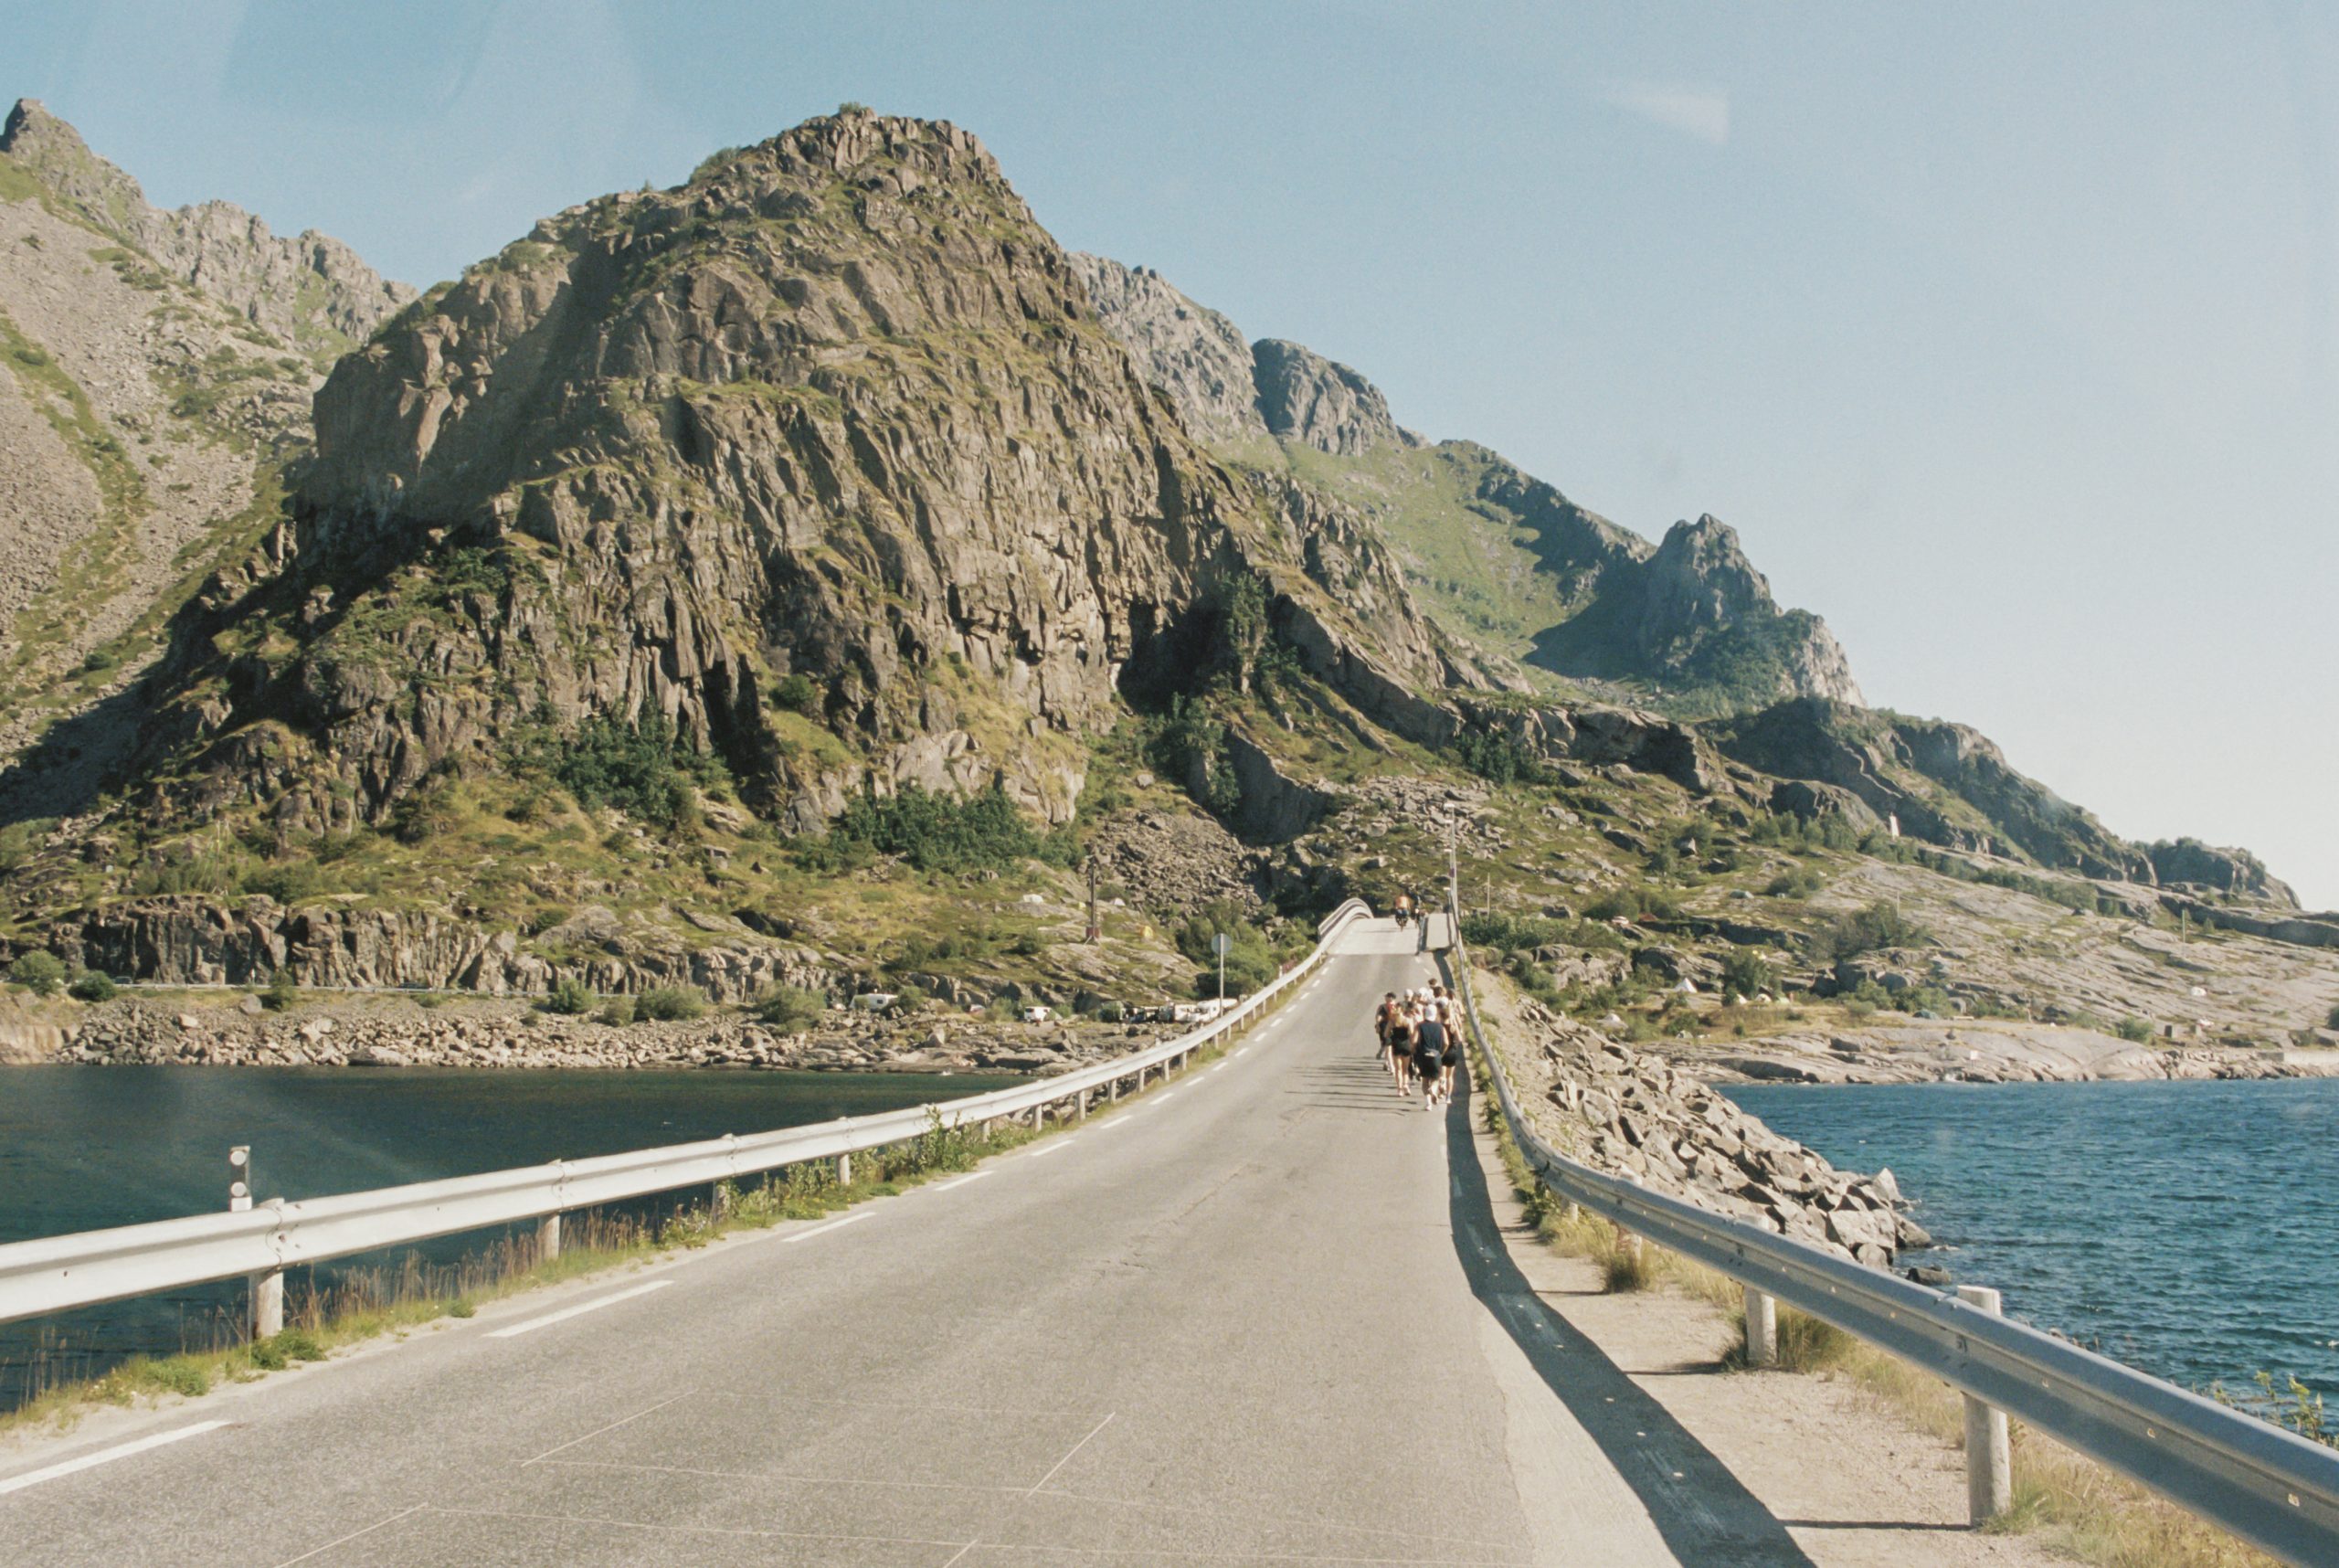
x: 1190, y: 352
x: 819, y: 463
x: 1688, y: 624
x: 310, y: 288
x: 781, y: 579
x: 1306, y: 398
x: 155, y: 371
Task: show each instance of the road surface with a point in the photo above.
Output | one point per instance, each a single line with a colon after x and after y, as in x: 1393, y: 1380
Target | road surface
x: 1261, y: 1317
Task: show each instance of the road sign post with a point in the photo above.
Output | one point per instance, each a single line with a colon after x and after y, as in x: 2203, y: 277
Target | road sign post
x: 1219, y: 944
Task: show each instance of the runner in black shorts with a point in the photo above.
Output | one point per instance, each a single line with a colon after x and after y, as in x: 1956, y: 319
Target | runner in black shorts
x: 1429, y: 1053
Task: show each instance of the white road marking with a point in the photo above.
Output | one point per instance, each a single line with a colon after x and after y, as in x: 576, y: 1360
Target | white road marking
x: 962, y: 1180
x: 972, y: 1544
x: 328, y: 1546
x: 1076, y: 1447
x: 107, y: 1455
x: 566, y: 1313
x: 1043, y: 1152
x: 1219, y: 1068
x: 1165, y: 1100
x: 823, y: 1230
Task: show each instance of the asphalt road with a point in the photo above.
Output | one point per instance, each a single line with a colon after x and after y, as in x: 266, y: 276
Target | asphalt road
x: 1261, y: 1317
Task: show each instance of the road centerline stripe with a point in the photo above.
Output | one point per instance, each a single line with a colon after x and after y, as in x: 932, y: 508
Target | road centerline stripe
x: 823, y: 1230
x: 328, y: 1546
x: 566, y: 1313
x: 107, y: 1455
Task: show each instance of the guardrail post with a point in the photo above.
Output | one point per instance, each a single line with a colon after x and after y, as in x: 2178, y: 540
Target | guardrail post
x: 1761, y: 1329
x: 266, y: 1313
x: 548, y: 1238
x: 1989, y: 1459
x: 844, y: 1170
x: 1113, y: 1092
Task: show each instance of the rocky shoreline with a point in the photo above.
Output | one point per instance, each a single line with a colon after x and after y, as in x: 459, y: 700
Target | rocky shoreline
x: 504, y: 1036
x: 1985, y: 1052
x: 1630, y: 1114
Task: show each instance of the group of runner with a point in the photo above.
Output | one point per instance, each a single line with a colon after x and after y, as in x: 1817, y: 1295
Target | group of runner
x: 1421, y: 1041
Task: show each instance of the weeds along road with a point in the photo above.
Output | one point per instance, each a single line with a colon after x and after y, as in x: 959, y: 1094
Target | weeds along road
x: 1261, y: 1316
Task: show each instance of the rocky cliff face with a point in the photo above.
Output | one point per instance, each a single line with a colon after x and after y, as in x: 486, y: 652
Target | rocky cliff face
x: 155, y: 372
x: 1689, y: 620
x: 1305, y: 398
x: 309, y: 289
x: 1190, y: 352
x: 835, y: 412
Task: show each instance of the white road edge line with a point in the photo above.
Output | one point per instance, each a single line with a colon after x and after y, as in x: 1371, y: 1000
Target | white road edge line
x: 106, y: 1456
x: 566, y: 1313
x: 961, y: 1182
x: 823, y: 1230
x: 1043, y: 1153
x: 1163, y: 1100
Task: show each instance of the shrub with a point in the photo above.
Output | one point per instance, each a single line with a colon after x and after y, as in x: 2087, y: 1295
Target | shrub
x: 2332, y: 1021
x: 1625, y: 1268
x: 1498, y: 757
x: 1800, y: 882
x: 91, y: 986
x: 1191, y: 748
x: 640, y: 769
x: 282, y: 991
x: 2135, y: 1029
x: 1857, y: 931
x: 1744, y: 971
x: 569, y: 997
x: 618, y: 1012
x: 1251, y: 960
x: 39, y: 972
x: 1110, y: 1012
x: 940, y: 832
x: 671, y: 1003
x: 792, y: 1008
x: 424, y: 812
x: 797, y: 693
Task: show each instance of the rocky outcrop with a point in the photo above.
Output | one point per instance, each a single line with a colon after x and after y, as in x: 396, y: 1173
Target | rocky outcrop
x: 1190, y: 352
x: 2237, y: 871
x: 1944, y: 783
x: 1605, y: 736
x: 310, y: 288
x: 1305, y: 398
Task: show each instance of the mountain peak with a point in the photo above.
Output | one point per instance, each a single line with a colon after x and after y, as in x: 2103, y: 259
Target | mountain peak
x: 1306, y: 398
x: 310, y: 288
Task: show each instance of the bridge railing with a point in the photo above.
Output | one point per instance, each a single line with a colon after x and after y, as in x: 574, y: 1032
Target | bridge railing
x: 56, y: 1274
x: 2267, y: 1486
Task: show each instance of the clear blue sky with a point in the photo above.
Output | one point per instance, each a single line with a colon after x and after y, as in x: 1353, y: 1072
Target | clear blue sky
x: 2006, y: 338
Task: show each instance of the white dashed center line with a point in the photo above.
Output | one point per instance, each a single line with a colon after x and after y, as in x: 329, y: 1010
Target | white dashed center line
x: 962, y: 1180
x: 549, y: 1318
x: 831, y: 1225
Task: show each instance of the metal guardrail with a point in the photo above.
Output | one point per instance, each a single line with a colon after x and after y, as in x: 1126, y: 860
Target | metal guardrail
x: 2266, y: 1485
x: 54, y: 1273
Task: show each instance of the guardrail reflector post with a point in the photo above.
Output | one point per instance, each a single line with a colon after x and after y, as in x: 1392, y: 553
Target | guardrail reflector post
x: 1989, y: 1459
x: 1761, y: 1329
x: 548, y: 1238
x: 265, y: 1314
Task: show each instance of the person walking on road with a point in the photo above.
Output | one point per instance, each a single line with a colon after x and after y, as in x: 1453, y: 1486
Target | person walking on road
x: 1400, y: 1045
x: 1383, y: 1016
x: 1429, y: 1053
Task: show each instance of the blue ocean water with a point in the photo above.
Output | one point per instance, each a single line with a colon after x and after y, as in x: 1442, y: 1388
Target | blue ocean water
x: 2188, y: 1229
x: 84, y: 1148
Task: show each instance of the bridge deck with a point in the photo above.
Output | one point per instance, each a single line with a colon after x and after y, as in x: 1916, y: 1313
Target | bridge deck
x: 1263, y: 1318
